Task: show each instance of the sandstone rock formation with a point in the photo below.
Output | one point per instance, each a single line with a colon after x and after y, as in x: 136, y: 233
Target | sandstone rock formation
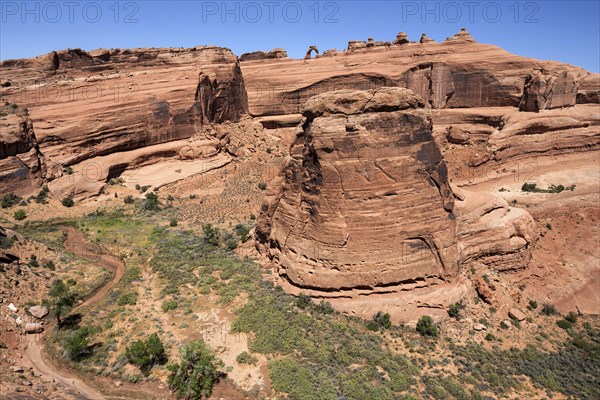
x: 401, y: 38
x: 22, y: 165
x: 308, y: 55
x: 130, y: 99
x: 425, y: 39
x: 364, y: 204
x: 356, y: 45
x: 542, y: 92
x: 365, y: 200
x: 261, y: 55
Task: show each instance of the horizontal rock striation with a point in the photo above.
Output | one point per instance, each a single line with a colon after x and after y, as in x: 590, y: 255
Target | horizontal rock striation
x: 86, y: 105
x: 364, y: 201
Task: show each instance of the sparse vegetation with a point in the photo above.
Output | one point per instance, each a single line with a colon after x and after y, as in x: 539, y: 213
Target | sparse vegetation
x: 193, y: 378
x: 61, y: 300
x: 426, y: 327
x: 128, y: 199
x: 455, y: 309
x: 532, y: 187
x: 548, y: 309
x: 68, y: 202
x: 246, y: 358
x: 9, y: 200
x: 20, y: 215
x: 381, y: 321
x: 145, y: 354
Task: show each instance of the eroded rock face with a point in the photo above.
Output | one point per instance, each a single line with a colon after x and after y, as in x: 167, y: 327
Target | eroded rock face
x: 364, y: 201
x: 22, y: 165
x: 544, y: 92
x: 261, y: 55
x: 129, y: 100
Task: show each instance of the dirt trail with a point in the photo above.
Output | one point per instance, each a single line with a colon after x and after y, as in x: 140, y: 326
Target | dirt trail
x: 77, y: 244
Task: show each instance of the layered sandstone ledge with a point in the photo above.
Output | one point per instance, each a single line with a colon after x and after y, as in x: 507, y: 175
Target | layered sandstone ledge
x: 364, y: 204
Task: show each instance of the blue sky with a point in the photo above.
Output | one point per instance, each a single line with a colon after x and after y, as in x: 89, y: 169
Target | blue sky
x: 566, y: 31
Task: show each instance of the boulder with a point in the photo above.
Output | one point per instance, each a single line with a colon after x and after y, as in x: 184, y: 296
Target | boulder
x: 33, y: 327
x: 516, y: 314
x: 479, y: 327
x: 12, y: 307
x: 38, y: 311
x: 456, y: 135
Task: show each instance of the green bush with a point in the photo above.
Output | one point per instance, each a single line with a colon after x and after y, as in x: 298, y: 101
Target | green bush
x: 246, y: 358
x: 262, y: 186
x: 193, y: 378
x: 426, y: 327
x: 42, y: 196
x: 242, y: 231
x: 169, y: 305
x: 533, y: 304
x: 49, y: 265
x: 380, y: 321
x: 9, y: 200
x: 20, y: 215
x: 127, y: 299
x: 324, y: 307
x: 76, y: 344
x: 151, y: 203
x: 454, y: 309
x: 61, y: 300
x: 145, y: 354
x: 67, y: 202
x: 564, y: 324
x: 529, y: 187
x: 128, y: 199
x: 211, y: 234
x: 548, y: 309
x: 173, y: 222
x: 303, y: 301
x: 504, y: 325
x: 571, y: 317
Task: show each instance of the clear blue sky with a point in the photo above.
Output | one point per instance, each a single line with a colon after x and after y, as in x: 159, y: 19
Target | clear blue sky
x: 566, y: 31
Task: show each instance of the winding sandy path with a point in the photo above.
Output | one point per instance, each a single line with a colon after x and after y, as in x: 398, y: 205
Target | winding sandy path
x: 76, y: 243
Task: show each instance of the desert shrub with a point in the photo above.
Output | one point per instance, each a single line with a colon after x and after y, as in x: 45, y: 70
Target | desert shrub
x: 6, y: 242
x: 127, y: 299
x: 300, y: 382
x: 20, y: 215
x: 211, y: 234
x: 128, y: 199
x: 504, y: 325
x: 246, y: 358
x: 145, y: 354
x: 571, y: 317
x: 76, y: 344
x: 116, y: 181
x: 262, y: 186
x: 454, y: 309
x: 173, y: 222
x: 170, y: 197
x: 242, y: 231
x: 564, y: 324
x: 42, y: 196
x: 490, y: 337
x: 196, y: 373
x: 380, y: 321
x: 33, y: 262
x: 548, y: 309
x: 68, y: 202
x: 49, y: 265
x: 426, y: 327
x: 151, y: 203
x: 528, y: 187
x: 9, y: 200
x: 169, y: 305
x: 533, y: 304
x: 324, y: 307
x: 303, y: 301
